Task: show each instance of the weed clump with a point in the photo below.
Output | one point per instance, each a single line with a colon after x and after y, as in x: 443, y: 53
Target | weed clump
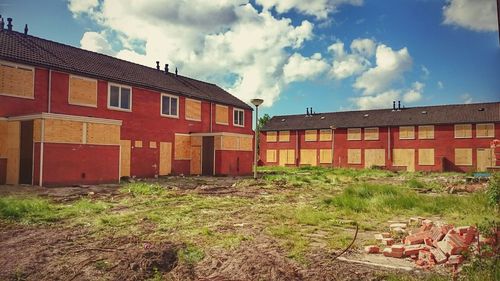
x: 143, y: 188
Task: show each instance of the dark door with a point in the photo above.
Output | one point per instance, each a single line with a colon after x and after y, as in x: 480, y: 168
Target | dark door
x: 26, y: 156
x: 208, y: 156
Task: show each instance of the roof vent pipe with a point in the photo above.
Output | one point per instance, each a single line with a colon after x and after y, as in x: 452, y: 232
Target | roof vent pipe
x: 393, y: 105
x: 1, y: 24
x: 157, y: 65
x: 399, y: 105
x: 176, y: 72
x: 26, y: 29
x: 9, y: 24
x: 166, y: 68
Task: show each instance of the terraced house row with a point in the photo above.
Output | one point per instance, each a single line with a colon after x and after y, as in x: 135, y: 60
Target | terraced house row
x: 430, y: 138
x: 71, y: 116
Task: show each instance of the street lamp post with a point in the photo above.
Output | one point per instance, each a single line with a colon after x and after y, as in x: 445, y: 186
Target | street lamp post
x: 256, y: 102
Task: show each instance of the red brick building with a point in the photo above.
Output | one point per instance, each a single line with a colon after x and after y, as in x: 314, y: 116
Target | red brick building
x: 429, y: 138
x: 71, y: 116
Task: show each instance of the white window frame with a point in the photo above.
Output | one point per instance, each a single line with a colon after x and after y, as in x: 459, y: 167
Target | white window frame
x: 119, y: 97
x: 243, y: 121
x: 96, y: 93
x: 161, y: 105
x: 16, y: 65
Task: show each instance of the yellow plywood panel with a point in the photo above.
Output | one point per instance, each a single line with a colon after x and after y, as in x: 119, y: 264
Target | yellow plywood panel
x: 463, y: 131
x: 246, y: 144
x: 195, y: 165
x: 325, y: 156
x: 82, y: 91
x: 354, y: 156
x: 152, y: 144
x: 406, y: 132
x: 426, y: 132
x: 63, y: 131
x: 125, y: 146
x: 37, y: 130
x: 193, y: 109
x: 13, y: 152
x: 271, y: 136
x: 354, y: 134
x: 426, y: 156
x: 103, y: 134
x: 485, y: 130
x: 463, y: 156
x: 271, y: 155
x: 374, y: 157
x: 182, y: 149
x: 485, y: 158
x: 325, y: 135
x: 371, y: 133
x: 4, y: 127
x: 165, y: 158
x: 17, y: 81
x: 308, y: 157
x: 221, y: 114
x: 284, y: 136
x: 404, y: 158
x: 230, y: 143
x: 311, y: 135
x: 137, y: 144
x: 196, y: 140
x: 286, y: 157
x: 218, y: 142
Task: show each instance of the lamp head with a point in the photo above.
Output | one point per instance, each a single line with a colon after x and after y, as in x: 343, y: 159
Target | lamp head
x: 256, y: 102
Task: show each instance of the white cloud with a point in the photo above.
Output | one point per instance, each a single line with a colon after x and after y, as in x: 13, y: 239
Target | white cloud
x: 440, y: 84
x: 348, y: 64
x: 82, y: 6
x: 318, y: 8
x: 382, y: 100
x: 97, y: 42
x: 301, y: 68
x: 390, y: 66
x: 364, y: 47
x: 426, y: 72
x: 478, y: 15
x: 414, y: 94
x: 466, y: 98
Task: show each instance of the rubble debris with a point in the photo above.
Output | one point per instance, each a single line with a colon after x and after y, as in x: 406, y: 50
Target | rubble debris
x: 372, y: 249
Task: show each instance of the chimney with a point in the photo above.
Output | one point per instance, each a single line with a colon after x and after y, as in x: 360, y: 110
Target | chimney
x: 176, y: 72
x: 399, y: 105
x: 307, y: 111
x: 166, y: 68
x: 26, y: 29
x: 157, y: 65
x: 1, y: 24
x: 9, y: 24
x: 393, y: 105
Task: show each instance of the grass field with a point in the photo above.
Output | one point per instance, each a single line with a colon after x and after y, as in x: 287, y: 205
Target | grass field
x: 302, y: 210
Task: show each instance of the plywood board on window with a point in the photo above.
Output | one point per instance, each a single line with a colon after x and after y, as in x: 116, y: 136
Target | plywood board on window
x: 165, y: 158
x: 463, y: 156
x: 196, y: 140
x: 193, y: 109
x: 325, y: 135
x: 152, y: 144
x: 125, y: 150
x: 103, y: 134
x: 371, y: 134
x: 354, y: 156
x: 406, y: 132
x: 230, y: 143
x: 284, y: 136
x: 426, y: 132
x: 246, y: 144
x: 16, y: 81
x: 374, y: 157
x: 271, y: 155
x: 82, y: 91
x: 271, y: 136
x: 404, y: 158
x: 221, y: 114
x: 37, y: 130
x: 426, y: 156
x: 308, y: 157
x: 63, y: 131
x: 195, y: 163
x: 13, y: 151
x: 218, y: 142
x: 463, y: 131
x: 311, y: 135
x: 182, y: 147
x: 354, y: 134
x: 286, y: 157
x: 325, y: 156
x: 485, y: 158
x: 137, y: 144
x: 3, y: 138
x: 485, y: 130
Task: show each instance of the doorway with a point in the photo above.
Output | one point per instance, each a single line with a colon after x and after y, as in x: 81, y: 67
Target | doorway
x: 26, y: 153
x: 208, y: 155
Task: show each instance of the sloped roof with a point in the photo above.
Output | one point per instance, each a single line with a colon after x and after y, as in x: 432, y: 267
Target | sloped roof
x: 27, y: 49
x: 422, y: 115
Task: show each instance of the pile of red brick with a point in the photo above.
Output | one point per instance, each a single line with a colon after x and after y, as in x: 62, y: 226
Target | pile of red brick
x: 428, y: 243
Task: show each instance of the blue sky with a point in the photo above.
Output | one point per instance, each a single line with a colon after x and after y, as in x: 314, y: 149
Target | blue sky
x: 326, y: 54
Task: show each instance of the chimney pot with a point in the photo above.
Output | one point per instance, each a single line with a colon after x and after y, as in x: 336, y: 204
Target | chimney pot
x: 393, y: 105
x: 166, y: 68
x: 399, y: 105
x: 157, y: 65
x: 1, y: 23
x: 9, y: 24
x: 26, y: 29
x: 307, y: 111
x: 176, y: 71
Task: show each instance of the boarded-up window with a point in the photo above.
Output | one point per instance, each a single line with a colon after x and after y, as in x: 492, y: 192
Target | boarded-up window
x: 426, y: 156
x: 406, y: 132
x: 485, y: 130
x: 325, y: 135
x: 463, y: 156
x: 371, y: 133
x: 17, y: 81
x: 287, y: 157
x: 182, y: 147
x: 463, y: 131
x: 325, y: 156
x: 103, y: 134
x: 82, y: 91
x: 63, y: 131
x: 271, y: 136
x: 246, y: 144
x: 230, y: 143
x: 354, y: 134
x: 354, y: 156
x: 404, y: 158
x: 193, y: 110
x: 3, y: 138
x: 308, y: 157
x: 125, y: 147
x: 426, y: 132
x: 311, y: 135
x: 271, y: 155
x: 374, y: 157
x: 152, y: 144
x: 221, y: 114
x: 137, y: 144
x: 284, y: 136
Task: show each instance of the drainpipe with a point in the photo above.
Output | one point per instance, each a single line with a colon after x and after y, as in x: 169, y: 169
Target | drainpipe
x: 333, y: 141
x: 42, y: 140
x: 389, y: 143
x: 49, y: 92
x: 211, y: 117
x: 296, y: 148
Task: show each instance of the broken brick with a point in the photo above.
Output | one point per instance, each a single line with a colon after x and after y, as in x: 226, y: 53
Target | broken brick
x: 397, y: 248
x: 388, y: 241
x: 455, y: 259
x: 387, y: 252
x: 427, y: 223
x: 438, y: 255
x: 417, y: 238
x: 372, y: 249
x: 413, y: 249
x: 452, y: 244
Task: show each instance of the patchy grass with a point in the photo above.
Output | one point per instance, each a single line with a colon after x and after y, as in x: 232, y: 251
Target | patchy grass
x: 190, y: 254
x: 143, y: 188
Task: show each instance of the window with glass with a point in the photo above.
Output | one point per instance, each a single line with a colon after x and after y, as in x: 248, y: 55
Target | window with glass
x: 169, y: 105
x: 120, y: 97
x: 238, y: 117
